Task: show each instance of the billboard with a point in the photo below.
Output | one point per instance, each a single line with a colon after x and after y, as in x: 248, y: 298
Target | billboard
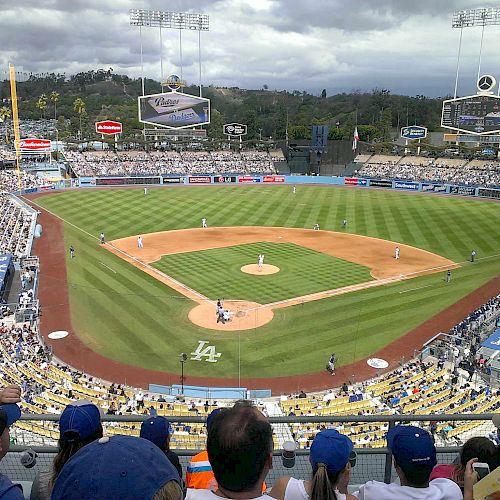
x: 475, y: 114
x: 200, y: 179
x: 248, y: 179
x: 380, y: 183
x: 225, y: 178
x: 463, y: 190
x: 413, y: 132
x: 34, y: 145
x: 174, y: 110
x: 319, y: 141
x: 412, y: 186
x: 108, y: 127
x: 273, y: 178
x: 235, y: 129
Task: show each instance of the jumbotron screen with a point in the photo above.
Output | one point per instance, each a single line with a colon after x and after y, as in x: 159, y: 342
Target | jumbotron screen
x: 478, y: 114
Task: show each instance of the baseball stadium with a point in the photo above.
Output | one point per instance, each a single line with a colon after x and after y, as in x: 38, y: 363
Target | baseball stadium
x: 330, y: 305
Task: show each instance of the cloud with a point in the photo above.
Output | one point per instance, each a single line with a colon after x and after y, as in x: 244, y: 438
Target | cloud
x: 405, y: 46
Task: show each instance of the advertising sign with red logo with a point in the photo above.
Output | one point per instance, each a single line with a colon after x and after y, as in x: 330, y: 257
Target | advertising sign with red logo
x: 249, y: 179
x: 200, y: 180
x: 108, y: 127
x: 273, y: 178
x: 351, y: 181
x: 37, y: 145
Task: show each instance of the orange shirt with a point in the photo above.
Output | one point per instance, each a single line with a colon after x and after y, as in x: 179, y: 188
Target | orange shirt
x: 200, y: 476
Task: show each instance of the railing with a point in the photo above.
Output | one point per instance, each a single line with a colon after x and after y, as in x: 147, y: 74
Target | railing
x: 372, y: 463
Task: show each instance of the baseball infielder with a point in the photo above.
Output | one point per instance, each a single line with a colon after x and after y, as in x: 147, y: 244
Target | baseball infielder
x: 102, y: 239
x: 396, y: 253
x: 204, y: 222
x: 139, y: 242
x: 294, y: 190
x: 316, y: 227
x: 145, y: 191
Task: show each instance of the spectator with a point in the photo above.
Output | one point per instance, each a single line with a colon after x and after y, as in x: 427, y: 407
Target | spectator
x: 240, y: 446
x: 331, y: 458
x: 158, y: 430
x: 121, y: 468
x: 79, y: 425
x: 477, y: 447
x: 414, y: 457
x: 9, y: 413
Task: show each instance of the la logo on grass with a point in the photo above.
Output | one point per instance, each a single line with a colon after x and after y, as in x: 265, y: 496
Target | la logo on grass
x: 207, y: 352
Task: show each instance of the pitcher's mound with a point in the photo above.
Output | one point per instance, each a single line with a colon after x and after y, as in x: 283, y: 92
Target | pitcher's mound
x: 244, y: 315
x: 265, y: 269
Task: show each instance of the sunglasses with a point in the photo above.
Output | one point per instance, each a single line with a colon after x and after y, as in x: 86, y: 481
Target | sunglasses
x: 352, y: 458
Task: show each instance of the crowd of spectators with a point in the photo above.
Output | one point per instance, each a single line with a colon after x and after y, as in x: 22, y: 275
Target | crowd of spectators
x: 451, y: 171
x: 102, y: 163
x: 10, y: 181
x: 15, y: 227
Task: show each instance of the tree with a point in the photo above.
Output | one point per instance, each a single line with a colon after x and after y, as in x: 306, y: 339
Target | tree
x: 323, y: 94
x: 42, y: 104
x: 80, y: 109
x: 54, y: 97
x: 4, y: 115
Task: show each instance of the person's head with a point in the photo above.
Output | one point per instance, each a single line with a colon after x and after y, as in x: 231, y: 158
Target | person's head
x: 414, y: 454
x: 481, y: 448
x: 240, y: 446
x: 157, y: 430
x: 9, y: 414
x: 331, y: 457
x: 123, y: 467
x: 79, y: 425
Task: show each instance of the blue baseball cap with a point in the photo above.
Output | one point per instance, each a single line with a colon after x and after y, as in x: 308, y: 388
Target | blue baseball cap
x: 79, y: 420
x: 411, y: 446
x: 116, y: 467
x: 331, y: 448
x: 156, y: 430
x: 12, y: 413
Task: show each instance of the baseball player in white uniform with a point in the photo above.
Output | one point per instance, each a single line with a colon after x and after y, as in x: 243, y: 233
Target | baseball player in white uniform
x: 145, y: 191
x: 204, y: 222
x: 316, y: 227
x: 261, y: 261
x: 294, y: 190
x: 396, y: 253
x: 139, y: 242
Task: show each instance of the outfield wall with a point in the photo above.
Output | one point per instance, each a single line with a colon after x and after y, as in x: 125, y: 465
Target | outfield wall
x: 237, y: 179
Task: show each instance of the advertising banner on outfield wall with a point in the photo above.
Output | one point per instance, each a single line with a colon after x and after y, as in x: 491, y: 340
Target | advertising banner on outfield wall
x: 172, y: 180
x: 87, y: 181
x: 351, y: 181
x: 380, y: 183
x: 463, y: 190
x: 489, y: 193
x: 411, y: 186
x: 433, y: 188
x: 248, y: 179
x: 126, y: 181
x: 273, y: 178
x: 200, y: 179
x: 225, y: 179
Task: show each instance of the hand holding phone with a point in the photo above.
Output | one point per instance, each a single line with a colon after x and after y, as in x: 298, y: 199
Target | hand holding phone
x: 482, y: 469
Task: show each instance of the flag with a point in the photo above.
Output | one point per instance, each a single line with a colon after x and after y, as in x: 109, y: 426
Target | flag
x: 355, y: 139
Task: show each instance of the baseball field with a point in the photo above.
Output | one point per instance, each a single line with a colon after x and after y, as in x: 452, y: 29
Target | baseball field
x: 338, y: 289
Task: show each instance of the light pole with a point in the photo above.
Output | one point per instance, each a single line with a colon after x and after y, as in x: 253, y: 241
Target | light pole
x: 171, y: 20
x: 182, y: 358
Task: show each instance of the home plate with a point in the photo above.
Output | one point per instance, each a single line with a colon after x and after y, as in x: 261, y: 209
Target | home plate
x: 59, y: 334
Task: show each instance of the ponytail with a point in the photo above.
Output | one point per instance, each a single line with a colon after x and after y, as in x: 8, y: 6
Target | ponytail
x: 323, y: 484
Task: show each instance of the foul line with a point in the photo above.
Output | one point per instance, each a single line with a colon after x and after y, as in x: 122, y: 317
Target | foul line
x: 107, y: 267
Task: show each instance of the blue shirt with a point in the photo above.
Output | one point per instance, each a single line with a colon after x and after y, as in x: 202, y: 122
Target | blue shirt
x: 9, y: 490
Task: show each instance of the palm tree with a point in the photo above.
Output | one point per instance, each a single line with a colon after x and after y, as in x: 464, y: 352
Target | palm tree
x: 79, y: 107
x: 4, y: 114
x: 42, y: 104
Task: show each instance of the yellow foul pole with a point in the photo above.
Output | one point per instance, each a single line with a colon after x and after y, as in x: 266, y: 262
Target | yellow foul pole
x: 15, y: 120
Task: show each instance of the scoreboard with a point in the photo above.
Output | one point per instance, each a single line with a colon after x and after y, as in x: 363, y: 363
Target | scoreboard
x: 477, y: 114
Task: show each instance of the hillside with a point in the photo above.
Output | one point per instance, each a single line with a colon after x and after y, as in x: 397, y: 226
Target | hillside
x: 266, y: 112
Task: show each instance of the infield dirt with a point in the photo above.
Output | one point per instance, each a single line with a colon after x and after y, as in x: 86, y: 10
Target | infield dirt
x: 374, y: 253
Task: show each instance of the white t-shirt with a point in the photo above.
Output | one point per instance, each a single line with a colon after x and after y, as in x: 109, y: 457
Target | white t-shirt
x: 193, y: 494
x: 295, y: 490
x: 438, y: 489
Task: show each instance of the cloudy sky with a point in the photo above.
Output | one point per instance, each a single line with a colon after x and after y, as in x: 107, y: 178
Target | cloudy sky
x: 406, y: 46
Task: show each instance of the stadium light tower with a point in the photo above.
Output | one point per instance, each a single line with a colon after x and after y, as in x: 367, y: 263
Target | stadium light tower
x: 171, y: 20
x: 471, y: 18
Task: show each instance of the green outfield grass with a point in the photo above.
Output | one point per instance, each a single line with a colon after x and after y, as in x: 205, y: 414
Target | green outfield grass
x: 216, y: 273
x: 126, y: 314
